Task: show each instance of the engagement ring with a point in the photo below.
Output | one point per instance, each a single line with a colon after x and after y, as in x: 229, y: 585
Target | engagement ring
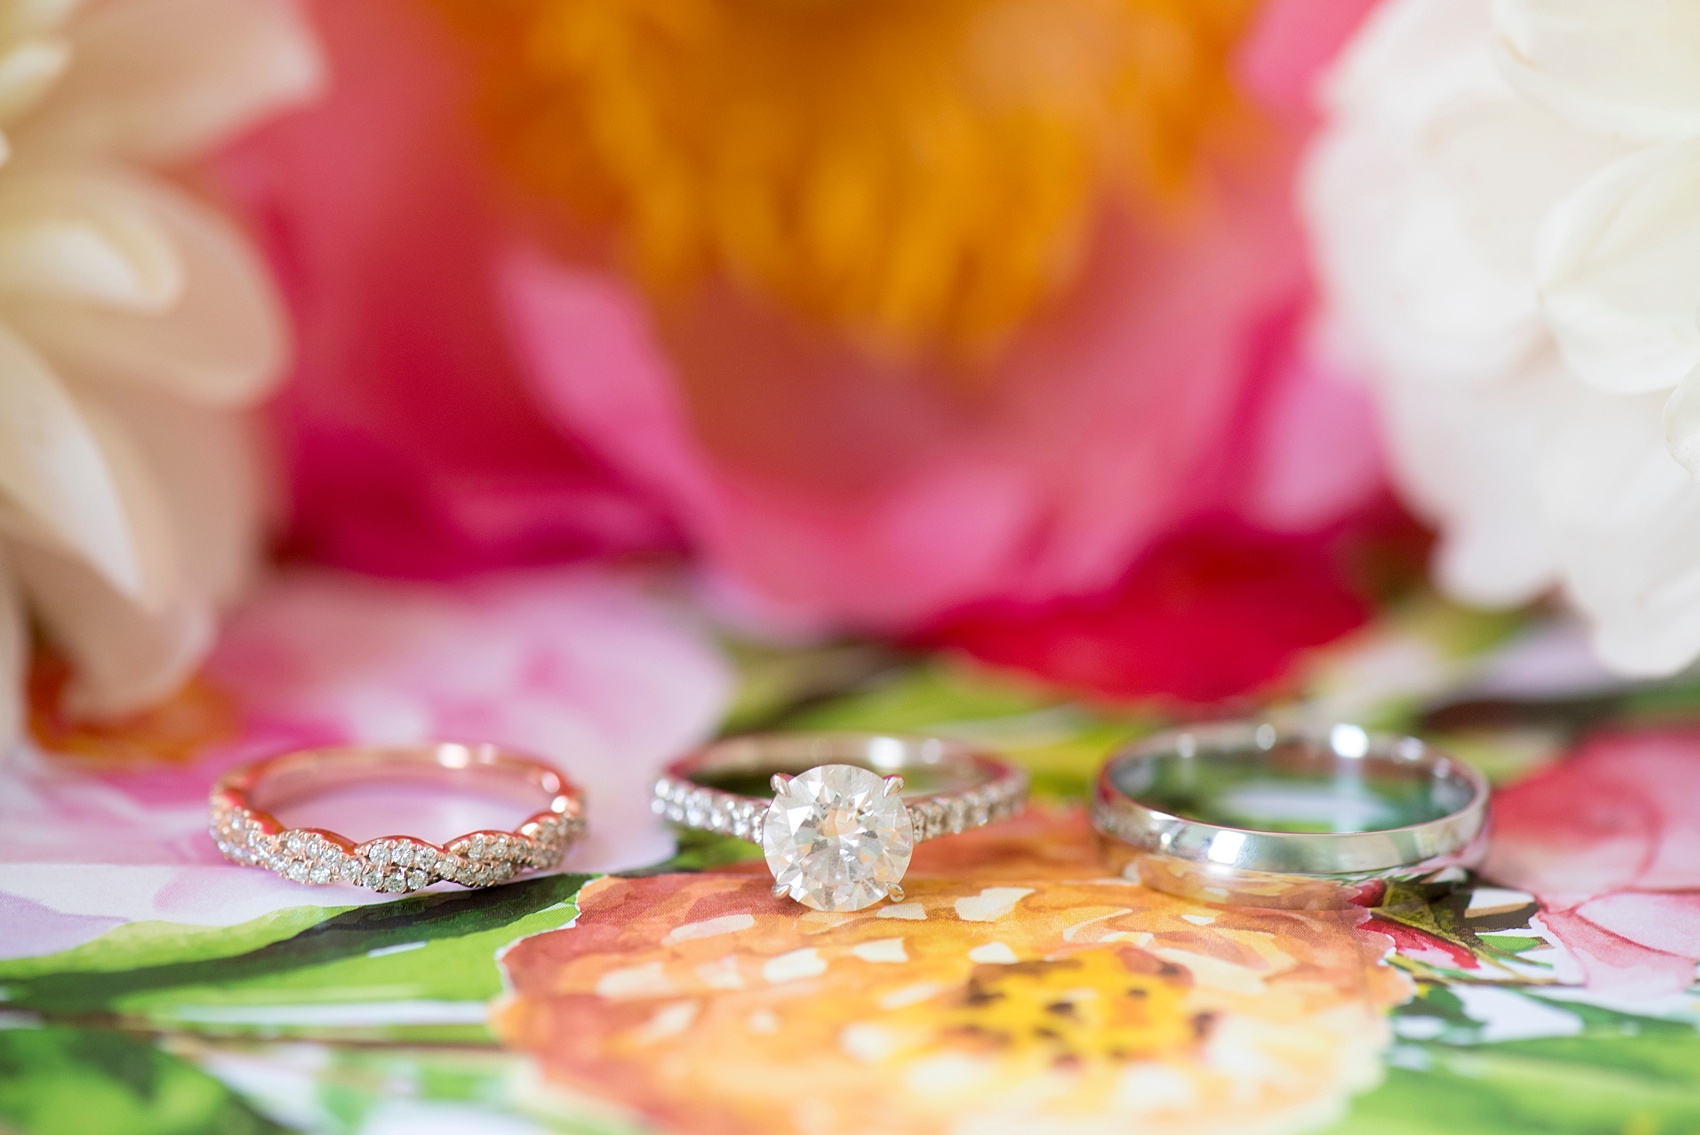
x: 845, y: 809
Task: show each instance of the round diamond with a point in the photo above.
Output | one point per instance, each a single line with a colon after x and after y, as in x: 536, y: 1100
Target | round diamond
x: 835, y: 839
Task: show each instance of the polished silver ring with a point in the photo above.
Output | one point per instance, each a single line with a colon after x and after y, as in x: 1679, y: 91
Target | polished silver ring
x: 845, y: 809
x: 1293, y: 818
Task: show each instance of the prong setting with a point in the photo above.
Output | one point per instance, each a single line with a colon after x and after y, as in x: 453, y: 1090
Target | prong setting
x: 837, y: 837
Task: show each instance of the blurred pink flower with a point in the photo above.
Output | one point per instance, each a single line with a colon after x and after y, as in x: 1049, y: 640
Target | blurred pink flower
x: 1609, y: 841
x: 466, y: 398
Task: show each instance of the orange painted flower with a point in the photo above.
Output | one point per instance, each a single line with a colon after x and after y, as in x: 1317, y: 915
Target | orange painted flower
x: 1033, y: 995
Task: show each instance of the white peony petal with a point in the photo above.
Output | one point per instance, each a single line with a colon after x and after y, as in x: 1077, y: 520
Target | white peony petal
x: 1425, y: 194
x: 14, y: 661
x: 223, y: 341
x: 1619, y: 268
x: 57, y: 486
x: 1464, y: 248
x: 206, y: 464
x: 190, y: 493
x: 1467, y: 458
x: 1603, y: 465
x: 1546, y: 449
x: 27, y: 70
x: 1383, y: 233
x: 1626, y: 518
x: 1629, y: 68
x: 160, y: 80
x: 1682, y: 422
x: 147, y: 516
x: 1411, y: 62
x: 79, y: 235
x: 124, y: 656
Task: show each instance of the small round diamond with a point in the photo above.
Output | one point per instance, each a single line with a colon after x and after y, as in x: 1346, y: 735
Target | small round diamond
x: 835, y: 839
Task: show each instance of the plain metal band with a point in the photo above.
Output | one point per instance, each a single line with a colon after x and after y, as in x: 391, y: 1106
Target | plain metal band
x: 242, y: 825
x: 1290, y: 869
x: 983, y: 788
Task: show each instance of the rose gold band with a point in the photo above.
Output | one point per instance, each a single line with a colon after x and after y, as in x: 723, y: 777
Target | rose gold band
x: 246, y: 832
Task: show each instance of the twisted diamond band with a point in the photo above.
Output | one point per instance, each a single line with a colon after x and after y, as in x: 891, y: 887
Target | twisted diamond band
x: 246, y: 832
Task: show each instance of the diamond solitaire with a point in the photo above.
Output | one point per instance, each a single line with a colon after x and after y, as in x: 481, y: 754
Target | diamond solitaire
x: 838, y: 835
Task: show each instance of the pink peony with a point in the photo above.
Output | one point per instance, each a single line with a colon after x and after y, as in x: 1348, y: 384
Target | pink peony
x: 469, y: 395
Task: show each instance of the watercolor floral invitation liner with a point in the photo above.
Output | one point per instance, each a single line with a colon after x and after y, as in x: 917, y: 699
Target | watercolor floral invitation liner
x: 150, y: 988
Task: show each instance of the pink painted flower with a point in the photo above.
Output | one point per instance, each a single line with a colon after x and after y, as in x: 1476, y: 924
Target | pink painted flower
x: 999, y: 368
x: 1609, y: 841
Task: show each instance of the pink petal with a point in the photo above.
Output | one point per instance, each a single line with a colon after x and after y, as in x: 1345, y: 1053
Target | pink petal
x: 1316, y: 454
x: 413, y: 447
x: 848, y: 489
x: 1669, y: 923
x: 1622, y: 813
x: 1212, y: 611
x: 1617, y: 964
x: 1290, y: 42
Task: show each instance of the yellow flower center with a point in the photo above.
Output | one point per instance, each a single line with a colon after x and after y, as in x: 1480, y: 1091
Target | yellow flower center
x: 1087, y: 1006
x: 911, y: 172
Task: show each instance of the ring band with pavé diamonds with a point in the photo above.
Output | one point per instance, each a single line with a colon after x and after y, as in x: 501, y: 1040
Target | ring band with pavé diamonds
x: 242, y: 824
x: 845, y: 809
x: 1303, y: 818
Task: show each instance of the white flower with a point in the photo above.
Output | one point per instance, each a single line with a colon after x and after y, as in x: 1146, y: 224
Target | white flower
x: 135, y: 324
x: 1505, y: 203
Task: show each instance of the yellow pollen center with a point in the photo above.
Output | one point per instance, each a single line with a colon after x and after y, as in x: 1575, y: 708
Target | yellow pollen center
x: 912, y: 173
